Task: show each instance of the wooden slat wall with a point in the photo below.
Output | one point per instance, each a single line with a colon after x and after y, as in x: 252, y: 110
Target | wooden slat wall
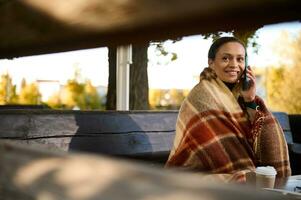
x: 28, y: 173
x: 37, y: 26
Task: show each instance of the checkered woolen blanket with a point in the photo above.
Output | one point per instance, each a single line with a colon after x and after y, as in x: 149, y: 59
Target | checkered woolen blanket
x: 214, y: 134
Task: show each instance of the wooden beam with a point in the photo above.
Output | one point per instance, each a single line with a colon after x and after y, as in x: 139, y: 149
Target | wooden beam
x: 31, y: 27
x: 35, y: 173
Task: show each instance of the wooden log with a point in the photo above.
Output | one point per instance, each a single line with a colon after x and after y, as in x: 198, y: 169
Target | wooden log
x: 53, y: 26
x: 31, y: 173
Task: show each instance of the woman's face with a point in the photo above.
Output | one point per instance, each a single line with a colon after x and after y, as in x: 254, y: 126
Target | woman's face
x: 229, y: 62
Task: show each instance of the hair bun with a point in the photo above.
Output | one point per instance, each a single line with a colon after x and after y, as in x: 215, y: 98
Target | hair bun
x: 208, y: 74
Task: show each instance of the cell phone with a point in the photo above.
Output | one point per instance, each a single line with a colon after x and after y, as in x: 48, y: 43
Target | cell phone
x: 246, y: 82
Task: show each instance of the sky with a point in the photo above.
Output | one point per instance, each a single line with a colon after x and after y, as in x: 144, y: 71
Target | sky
x: 182, y: 73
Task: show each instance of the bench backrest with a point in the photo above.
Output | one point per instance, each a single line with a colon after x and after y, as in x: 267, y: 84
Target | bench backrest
x: 295, y: 124
x: 146, y: 135
x: 283, y: 119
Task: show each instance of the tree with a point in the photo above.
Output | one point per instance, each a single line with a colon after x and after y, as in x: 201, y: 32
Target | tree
x: 73, y: 94
x: 138, y: 79
x: 77, y: 95
x: 155, y: 97
x: 29, y: 93
x: 167, y: 99
x: 55, y: 101
x: 284, y: 82
x: 7, y: 90
x: 111, y: 94
x: 92, y: 99
x: 274, y: 81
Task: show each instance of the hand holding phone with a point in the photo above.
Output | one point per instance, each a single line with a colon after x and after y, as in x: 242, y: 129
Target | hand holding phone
x: 246, y: 82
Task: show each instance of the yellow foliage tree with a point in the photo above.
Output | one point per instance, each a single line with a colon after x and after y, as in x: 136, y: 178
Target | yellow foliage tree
x: 284, y: 83
x: 155, y: 96
x: 92, y: 99
x: 54, y: 101
x: 29, y: 94
x: 274, y: 82
x: 77, y: 95
x: 167, y: 99
x: 7, y: 90
x: 73, y: 92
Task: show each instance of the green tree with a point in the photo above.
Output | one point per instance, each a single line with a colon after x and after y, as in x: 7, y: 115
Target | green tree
x: 29, y: 94
x: 7, y: 90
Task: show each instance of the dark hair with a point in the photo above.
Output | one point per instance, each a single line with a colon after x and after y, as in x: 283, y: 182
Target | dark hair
x: 220, y: 42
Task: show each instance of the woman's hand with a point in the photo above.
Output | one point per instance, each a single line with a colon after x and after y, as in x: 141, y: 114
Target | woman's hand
x: 249, y: 94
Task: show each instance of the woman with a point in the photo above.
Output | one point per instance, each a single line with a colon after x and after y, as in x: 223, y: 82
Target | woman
x: 222, y: 129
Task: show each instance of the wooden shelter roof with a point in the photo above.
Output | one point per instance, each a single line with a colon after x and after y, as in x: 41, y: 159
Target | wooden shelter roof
x: 30, y: 27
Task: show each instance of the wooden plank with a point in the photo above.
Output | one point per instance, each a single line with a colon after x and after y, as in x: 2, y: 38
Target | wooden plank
x: 30, y: 173
x: 54, y: 26
x: 31, y: 124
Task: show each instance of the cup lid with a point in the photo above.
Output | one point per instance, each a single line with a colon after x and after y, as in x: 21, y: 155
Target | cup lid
x: 266, y: 170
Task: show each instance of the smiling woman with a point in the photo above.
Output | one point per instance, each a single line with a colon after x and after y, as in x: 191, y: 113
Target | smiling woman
x: 227, y: 59
x: 223, y: 129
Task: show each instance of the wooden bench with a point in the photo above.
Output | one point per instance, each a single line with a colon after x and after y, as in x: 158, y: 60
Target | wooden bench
x: 140, y: 135
x: 143, y: 135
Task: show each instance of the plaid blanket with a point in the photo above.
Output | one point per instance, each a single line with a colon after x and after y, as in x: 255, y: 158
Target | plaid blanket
x: 214, y: 134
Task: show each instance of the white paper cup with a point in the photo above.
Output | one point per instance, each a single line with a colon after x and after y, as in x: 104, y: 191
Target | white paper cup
x: 265, y: 177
